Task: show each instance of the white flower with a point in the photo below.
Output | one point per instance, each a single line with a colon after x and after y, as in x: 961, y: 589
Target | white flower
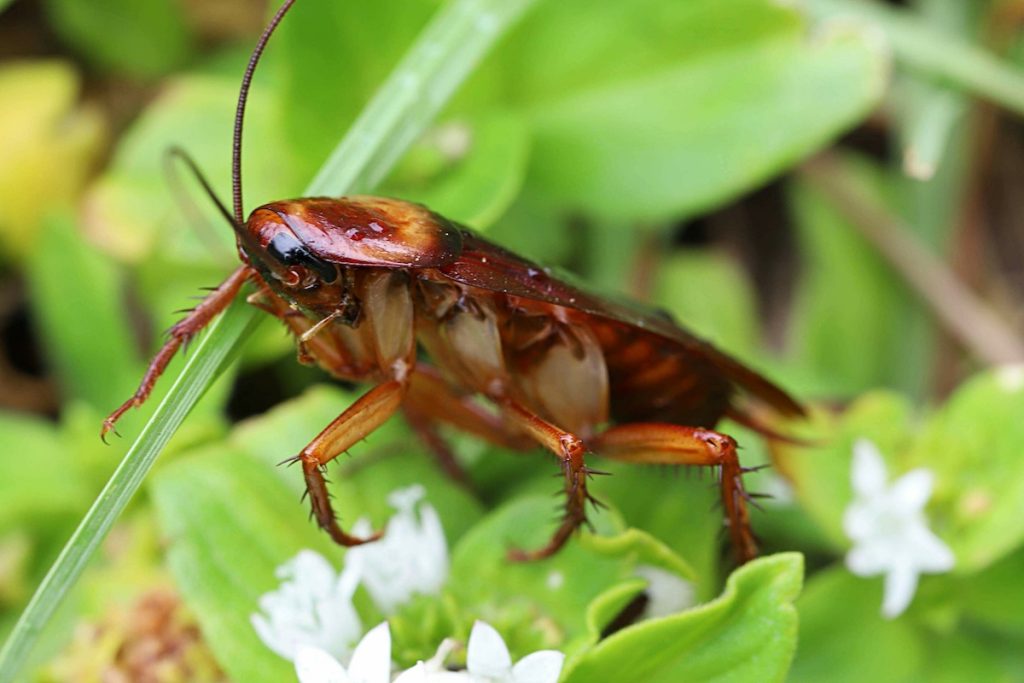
x: 889, y: 530
x: 487, y: 661
x: 312, y: 607
x: 667, y: 592
x: 371, y: 661
x: 411, y: 557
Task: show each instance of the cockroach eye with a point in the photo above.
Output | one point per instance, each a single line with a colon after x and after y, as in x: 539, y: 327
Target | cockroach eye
x: 287, y: 249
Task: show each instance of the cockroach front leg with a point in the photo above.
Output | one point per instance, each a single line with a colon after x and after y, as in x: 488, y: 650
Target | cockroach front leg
x: 182, y: 331
x: 569, y: 449
x: 667, y: 444
x: 353, y: 425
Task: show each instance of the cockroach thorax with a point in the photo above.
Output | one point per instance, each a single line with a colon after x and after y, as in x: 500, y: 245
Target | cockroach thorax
x: 360, y: 231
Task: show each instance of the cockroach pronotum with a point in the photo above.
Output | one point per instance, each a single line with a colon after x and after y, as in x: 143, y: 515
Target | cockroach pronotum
x: 366, y: 283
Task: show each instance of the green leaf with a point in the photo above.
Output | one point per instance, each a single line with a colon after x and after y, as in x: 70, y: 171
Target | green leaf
x: 843, y: 636
x: 677, y: 510
x: 993, y: 596
x: 76, y: 290
x: 143, y: 39
x: 231, y: 523
x: 689, y: 130
x: 748, y: 634
x: 974, y: 444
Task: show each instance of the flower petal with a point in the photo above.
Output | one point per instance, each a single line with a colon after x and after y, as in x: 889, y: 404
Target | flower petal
x: 313, y: 665
x: 900, y: 585
x: 910, y: 492
x: 868, y: 473
x: 371, y: 662
x: 487, y: 654
x: 539, y: 667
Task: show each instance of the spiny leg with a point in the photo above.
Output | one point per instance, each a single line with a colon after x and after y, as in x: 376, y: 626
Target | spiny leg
x: 182, y: 331
x: 656, y: 443
x: 360, y: 419
x: 432, y: 401
x: 569, y: 449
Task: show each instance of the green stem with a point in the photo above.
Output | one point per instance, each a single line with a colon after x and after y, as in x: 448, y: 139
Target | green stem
x: 441, y: 58
x: 934, y: 53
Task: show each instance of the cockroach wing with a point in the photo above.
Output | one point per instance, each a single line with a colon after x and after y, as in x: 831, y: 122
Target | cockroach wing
x: 488, y: 266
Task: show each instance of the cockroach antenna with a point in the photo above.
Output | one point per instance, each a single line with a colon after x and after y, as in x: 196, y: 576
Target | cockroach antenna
x: 243, y: 96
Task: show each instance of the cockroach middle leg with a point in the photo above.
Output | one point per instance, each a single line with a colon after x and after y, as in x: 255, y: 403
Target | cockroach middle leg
x: 182, y: 331
x: 360, y: 419
x: 667, y: 444
x: 570, y: 450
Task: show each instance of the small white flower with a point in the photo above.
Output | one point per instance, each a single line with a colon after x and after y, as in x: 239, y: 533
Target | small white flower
x: 1011, y: 377
x: 488, y: 660
x: 433, y: 671
x: 889, y: 530
x: 411, y: 557
x: 667, y: 592
x: 311, y: 607
x: 371, y: 661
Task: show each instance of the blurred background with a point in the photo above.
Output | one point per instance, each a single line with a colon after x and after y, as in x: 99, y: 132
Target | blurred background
x: 828, y: 190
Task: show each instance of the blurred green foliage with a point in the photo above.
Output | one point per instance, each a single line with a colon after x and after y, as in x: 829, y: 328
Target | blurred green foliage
x: 591, y: 133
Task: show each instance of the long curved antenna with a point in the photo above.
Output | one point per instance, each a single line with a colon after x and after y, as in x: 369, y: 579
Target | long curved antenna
x: 178, y: 153
x: 194, y: 217
x: 243, y: 96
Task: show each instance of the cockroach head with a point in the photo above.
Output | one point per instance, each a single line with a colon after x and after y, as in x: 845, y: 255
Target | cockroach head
x: 298, y: 240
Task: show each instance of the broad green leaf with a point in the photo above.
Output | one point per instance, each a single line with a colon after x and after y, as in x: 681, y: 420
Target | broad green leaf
x: 974, y: 443
x: 843, y: 636
x: 820, y: 471
x: 748, y: 634
x: 228, y: 526
x: 965, y: 656
x: 75, y: 293
x: 143, y: 39
x: 678, y: 508
x: 535, y: 604
x: 699, y: 135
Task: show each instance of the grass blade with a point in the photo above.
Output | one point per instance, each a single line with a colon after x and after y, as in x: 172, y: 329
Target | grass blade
x: 446, y: 52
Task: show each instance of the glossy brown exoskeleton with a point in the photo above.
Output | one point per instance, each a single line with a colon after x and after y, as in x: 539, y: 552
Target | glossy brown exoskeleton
x: 366, y: 282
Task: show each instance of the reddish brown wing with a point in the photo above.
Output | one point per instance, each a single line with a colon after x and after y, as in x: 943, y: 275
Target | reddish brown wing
x: 488, y: 266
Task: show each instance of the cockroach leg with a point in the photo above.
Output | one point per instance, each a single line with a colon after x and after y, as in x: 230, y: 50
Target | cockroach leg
x: 435, y: 399
x: 360, y: 419
x: 426, y: 430
x: 667, y: 444
x: 569, y: 449
x: 179, y: 334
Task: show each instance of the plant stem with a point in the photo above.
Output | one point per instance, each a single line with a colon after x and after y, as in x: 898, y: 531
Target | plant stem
x: 967, y: 317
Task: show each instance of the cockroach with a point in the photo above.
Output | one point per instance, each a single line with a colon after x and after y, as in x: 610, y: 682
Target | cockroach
x: 370, y: 286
